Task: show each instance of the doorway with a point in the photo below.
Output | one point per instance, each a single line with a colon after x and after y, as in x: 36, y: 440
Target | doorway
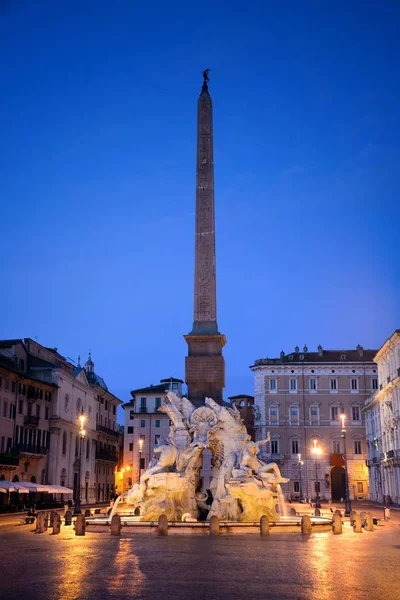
x: 338, y: 483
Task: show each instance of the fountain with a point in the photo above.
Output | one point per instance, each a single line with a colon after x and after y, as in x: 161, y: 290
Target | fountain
x: 242, y: 488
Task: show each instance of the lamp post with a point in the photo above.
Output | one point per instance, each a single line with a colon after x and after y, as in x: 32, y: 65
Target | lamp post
x: 316, y: 450
x: 300, y: 463
x: 140, y: 455
x: 347, y: 506
x: 82, y: 433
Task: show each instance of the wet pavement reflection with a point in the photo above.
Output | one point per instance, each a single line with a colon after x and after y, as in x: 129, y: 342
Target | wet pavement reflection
x: 289, y: 566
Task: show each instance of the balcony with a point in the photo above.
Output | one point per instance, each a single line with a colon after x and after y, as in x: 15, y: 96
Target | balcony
x: 8, y: 460
x: 108, y: 431
x: 31, y: 420
x: 29, y: 449
x: 102, y: 455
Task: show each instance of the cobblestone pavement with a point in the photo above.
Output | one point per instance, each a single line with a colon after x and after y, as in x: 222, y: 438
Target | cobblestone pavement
x: 281, y: 566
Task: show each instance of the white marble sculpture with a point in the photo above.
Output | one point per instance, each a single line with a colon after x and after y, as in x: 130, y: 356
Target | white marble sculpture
x: 243, y: 487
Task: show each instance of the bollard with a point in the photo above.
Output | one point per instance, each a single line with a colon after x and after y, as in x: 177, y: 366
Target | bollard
x: 357, y: 525
x: 386, y: 514
x: 292, y: 512
x: 337, y: 525
x: 264, y: 525
x: 369, y: 522
x: 338, y: 512
x: 162, y: 525
x: 87, y: 513
x: 214, y: 525
x: 80, y: 525
x: 55, y: 523
x: 363, y: 516
x: 352, y: 517
x: 317, y: 512
x: 306, y: 525
x: 116, y: 525
x: 68, y: 518
x: 41, y: 522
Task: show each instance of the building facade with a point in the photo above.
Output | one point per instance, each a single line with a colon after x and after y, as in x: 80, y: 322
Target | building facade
x: 299, y: 398
x: 145, y: 427
x: 45, y: 396
x: 25, y: 413
x: 382, y: 419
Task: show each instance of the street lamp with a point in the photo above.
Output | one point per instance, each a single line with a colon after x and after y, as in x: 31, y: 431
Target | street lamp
x: 82, y: 433
x: 347, y: 506
x: 316, y: 450
x: 300, y: 463
x: 140, y: 455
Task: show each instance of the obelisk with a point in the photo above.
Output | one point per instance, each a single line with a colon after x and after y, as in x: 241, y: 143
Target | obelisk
x: 205, y: 365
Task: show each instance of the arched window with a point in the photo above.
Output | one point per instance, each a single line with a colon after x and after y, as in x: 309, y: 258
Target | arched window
x: 314, y: 414
x: 63, y: 476
x: 33, y: 479
x: 64, y: 443
x: 15, y: 478
x: 77, y: 445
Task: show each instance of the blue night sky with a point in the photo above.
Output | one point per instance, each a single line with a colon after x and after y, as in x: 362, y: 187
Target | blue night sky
x: 98, y: 132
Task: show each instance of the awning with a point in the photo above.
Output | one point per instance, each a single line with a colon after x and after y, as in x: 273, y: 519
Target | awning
x: 34, y: 487
x: 8, y: 486
x: 59, y: 489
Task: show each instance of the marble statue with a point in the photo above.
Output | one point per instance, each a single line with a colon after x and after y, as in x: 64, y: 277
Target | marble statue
x: 243, y: 487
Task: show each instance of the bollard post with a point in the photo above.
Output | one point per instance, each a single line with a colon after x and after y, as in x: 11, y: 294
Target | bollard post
x: 116, y: 525
x: 292, y: 512
x: 352, y: 517
x: 214, y: 525
x: 41, y: 522
x: 369, y: 525
x: 264, y: 525
x: 68, y: 518
x: 317, y: 512
x: 55, y: 523
x: 80, y: 525
x: 338, y: 512
x: 306, y: 525
x: 337, y: 525
x: 162, y: 525
x: 363, y: 516
x: 87, y: 513
x: 357, y: 525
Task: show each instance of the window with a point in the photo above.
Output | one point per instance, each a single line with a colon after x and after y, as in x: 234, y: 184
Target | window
x: 357, y: 447
x: 272, y: 385
x: 0, y: 381
x: 22, y: 389
x: 143, y: 423
x: 334, y: 413
x: 130, y: 446
x: 314, y: 415
x: 296, y: 487
x: 20, y: 407
x: 106, y: 405
x: 6, y: 384
x: 333, y: 385
x: 113, y: 409
x: 360, y: 487
x: 157, y: 439
x: 355, y: 413
x: 131, y: 415
x: 273, y: 415
x: 64, y: 443
x: 354, y: 385
x: 295, y: 446
x: 274, y: 446
x: 374, y: 382
x: 13, y: 386
x: 336, y: 446
x: 312, y: 383
x: 13, y: 410
x: 130, y: 429
x: 158, y: 423
x: 158, y: 403
x: 294, y: 415
x: 174, y: 386
x: 21, y: 364
x: 5, y: 408
x: 293, y: 385
x: 143, y: 404
x: 87, y: 449
x: 47, y: 396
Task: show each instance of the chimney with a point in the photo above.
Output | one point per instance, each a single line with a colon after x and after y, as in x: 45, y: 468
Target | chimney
x: 360, y: 350
x: 320, y: 350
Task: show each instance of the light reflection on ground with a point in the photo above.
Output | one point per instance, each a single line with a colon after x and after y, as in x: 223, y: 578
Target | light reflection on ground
x: 146, y: 567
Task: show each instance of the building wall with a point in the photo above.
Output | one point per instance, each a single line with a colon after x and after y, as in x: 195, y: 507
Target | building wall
x: 382, y: 417
x: 297, y: 403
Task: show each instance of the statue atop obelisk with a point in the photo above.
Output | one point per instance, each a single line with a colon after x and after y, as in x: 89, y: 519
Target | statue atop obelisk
x: 205, y: 365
